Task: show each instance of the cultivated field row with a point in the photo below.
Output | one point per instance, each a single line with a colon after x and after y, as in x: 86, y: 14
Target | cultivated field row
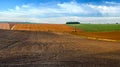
x: 48, y: 49
x: 109, y: 36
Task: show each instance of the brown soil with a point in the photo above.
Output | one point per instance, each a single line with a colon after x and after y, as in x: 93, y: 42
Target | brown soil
x: 51, y: 49
x: 100, y: 35
x: 64, y: 28
x: 11, y: 24
x: 44, y: 27
x: 4, y: 26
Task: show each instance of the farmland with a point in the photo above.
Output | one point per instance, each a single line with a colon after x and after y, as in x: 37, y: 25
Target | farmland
x: 97, y: 27
x: 57, y: 45
x: 4, y: 26
x: 52, y: 49
x: 109, y: 32
x: 43, y: 27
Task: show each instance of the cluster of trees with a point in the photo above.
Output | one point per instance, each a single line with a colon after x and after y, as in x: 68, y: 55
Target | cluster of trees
x: 117, y: 23
x: 72, y: 22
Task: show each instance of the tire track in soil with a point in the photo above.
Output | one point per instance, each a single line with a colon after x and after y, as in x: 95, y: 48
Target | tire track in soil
x: 7, y: 46
x: 13, y: 39
x: 51, y: 50
x: 37, y: 40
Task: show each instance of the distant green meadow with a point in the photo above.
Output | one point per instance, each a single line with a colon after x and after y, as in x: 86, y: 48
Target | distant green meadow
x: 97, y: 27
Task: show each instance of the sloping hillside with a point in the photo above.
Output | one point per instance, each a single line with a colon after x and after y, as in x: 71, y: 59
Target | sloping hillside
x: 44, y: 27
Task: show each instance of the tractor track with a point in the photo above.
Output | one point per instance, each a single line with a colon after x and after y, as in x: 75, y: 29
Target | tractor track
x: 50, y: 49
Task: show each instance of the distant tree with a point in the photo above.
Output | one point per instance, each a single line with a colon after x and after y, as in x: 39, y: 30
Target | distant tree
x: 72, y: 22
x: 117, y: 23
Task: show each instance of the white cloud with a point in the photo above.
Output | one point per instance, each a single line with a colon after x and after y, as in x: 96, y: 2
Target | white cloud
x: 25, y: 6
x: 107, y: 10
x: 61, y: 12
x: 113, y: 3
x: 71, y: 7
x: 17, y: 8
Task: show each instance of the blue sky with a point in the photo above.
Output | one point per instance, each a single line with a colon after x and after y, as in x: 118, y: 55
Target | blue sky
x: 54, y: 10
x: 9, y: 4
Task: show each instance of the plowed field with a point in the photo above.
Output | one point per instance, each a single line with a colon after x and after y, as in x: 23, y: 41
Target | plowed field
x: 43, y: 27
x: 50, y: 49
x: 4, y: 26
x: 63, y: 28
x: 115, y: 35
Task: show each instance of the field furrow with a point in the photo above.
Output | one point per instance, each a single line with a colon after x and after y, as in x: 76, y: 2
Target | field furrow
x: 51, y: 49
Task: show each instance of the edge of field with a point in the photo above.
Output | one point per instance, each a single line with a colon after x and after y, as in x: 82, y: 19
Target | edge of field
x: 77, y: 31
x: 98, y: 33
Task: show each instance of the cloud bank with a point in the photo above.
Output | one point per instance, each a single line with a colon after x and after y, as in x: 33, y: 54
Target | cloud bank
x: 62, y: 12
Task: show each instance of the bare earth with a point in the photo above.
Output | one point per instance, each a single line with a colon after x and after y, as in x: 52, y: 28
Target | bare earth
x: 112, y: 35
x: 51, y: 49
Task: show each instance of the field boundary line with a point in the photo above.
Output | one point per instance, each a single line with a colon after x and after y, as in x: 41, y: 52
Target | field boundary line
x: 101, y: 39
x: 93, y: 38
x: 12, y: 27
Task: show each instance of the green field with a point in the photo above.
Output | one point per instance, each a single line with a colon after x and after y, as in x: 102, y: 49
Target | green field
x: 97, y: 27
